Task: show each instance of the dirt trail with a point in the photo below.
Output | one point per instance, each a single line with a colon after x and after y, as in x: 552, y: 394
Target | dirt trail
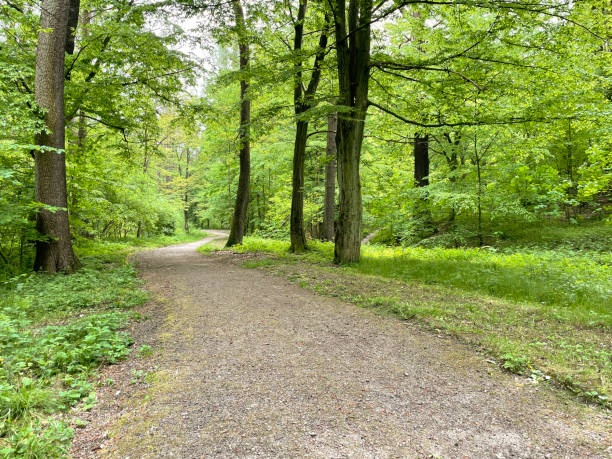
x: 251, y: 365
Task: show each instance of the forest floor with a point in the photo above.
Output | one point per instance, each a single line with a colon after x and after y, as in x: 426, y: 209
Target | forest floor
x: 246, y: 363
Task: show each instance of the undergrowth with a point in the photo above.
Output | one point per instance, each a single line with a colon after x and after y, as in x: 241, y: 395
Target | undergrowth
x: 55, y: 332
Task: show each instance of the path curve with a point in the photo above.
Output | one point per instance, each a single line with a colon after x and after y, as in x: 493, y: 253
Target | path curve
x: 253, y: 366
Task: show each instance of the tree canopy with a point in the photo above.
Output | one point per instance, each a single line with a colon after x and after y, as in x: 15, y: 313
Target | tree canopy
x: 454, y: 119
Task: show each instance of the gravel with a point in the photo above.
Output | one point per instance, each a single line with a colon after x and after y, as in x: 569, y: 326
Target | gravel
x: 249, y: 365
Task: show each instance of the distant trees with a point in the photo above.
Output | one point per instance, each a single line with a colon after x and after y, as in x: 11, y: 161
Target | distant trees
x: 437, y: 75
x: 75, y: 94
x: 476, y: 113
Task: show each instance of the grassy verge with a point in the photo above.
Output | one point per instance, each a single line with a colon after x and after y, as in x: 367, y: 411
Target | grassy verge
x: 546, y: 314
x: 55, y: 332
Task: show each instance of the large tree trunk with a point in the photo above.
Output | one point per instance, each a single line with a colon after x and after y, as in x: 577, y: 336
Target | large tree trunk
x: 348, y: 231
x: 298, y: 235
x: 353, y: 52
x: 330, y: 178
x: 244, y: 179
x: 55, y: 253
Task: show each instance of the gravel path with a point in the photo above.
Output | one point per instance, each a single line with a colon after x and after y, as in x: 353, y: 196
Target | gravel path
x: 253, y: 366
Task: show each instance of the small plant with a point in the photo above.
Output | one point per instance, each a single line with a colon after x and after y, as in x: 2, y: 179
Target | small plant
x: 145, y: 351
x: 137, y: 376
x: 79, y: 423
x: 55, y: 332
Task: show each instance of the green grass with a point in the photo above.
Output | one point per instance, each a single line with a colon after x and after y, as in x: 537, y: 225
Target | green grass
x: 55, y: 332
x: 540, y: 312
x: 575, y: 286
x: 593, y: 236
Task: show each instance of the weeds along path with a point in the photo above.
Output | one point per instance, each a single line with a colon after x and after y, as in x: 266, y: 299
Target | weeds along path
x: 250, y: 365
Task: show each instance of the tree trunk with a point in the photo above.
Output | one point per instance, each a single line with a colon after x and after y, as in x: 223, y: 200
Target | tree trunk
x: 55, y: 253
x: 479, y: 176
x: 421, y: 160
x: 303, y: 100
x: 330, y: 178
x: 348, y: 231
x: 244, y: 179
x: 71, y: 25
x: 353, y: 53
x: 421, y: 179
x: 186, y: 196
x: 264, y: 202
x: 296, y: 227
x: 453, y: 164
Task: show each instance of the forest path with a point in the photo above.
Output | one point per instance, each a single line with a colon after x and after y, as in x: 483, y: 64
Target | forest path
x: 251, y: 365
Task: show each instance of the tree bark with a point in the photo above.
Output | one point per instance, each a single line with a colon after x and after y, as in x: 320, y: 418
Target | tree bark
x: 353, y: 35
x: 330, y: 178
x: 477, y: 160
x: 186, y: 195
x: 421, y: 179
x: 453, y: 164
x: 244, y: 179
x: 55, y: 252
x: 73, y: 22
x: 296, y: 223
x: 421, y: 160
x: 303, y: 100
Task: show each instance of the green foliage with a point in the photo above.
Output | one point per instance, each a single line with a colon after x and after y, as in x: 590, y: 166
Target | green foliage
x: 595, y: 237
x: 553, y: 278
x: 39, y: 439
x: 514, y: 364
x: 99, y: 252
x: 516, y: 108
x: 55, y: 331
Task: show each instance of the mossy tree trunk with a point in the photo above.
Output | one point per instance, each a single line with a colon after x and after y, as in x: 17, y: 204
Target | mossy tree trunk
x: 296, y: 222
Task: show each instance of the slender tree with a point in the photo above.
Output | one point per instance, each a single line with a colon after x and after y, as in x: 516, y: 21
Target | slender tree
x: 303, y: 100
x: 54, y: 252
x: 186, y: 204
x: 244, y: 179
